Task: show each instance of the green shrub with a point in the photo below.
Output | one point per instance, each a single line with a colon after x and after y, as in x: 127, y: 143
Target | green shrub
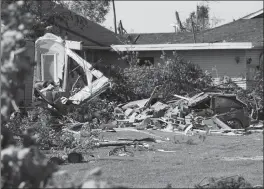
x: 99, y: 108
x: 174, y: 74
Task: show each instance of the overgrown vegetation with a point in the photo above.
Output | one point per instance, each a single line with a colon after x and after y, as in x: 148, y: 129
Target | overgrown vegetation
x: 173, y: 74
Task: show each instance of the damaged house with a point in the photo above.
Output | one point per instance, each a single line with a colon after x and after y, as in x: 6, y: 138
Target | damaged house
x: 234, y: 49
x: 86, y: 40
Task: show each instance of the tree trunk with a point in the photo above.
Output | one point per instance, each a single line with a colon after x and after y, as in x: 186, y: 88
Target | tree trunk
x: 193, y: 30
x: 113, y: 1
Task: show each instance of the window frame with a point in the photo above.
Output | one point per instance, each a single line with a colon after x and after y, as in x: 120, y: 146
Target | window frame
x: 56, y: 79
x: 145, y: 59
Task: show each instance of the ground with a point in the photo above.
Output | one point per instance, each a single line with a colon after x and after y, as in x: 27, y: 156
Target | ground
x: 186, y: 165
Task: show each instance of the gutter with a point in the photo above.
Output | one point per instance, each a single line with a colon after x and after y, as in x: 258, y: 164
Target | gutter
x: 185, y: 46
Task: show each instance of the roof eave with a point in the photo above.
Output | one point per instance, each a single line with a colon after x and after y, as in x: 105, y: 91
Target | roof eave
x: 186, y: 46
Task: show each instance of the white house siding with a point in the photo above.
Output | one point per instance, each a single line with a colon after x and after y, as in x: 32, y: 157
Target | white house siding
x: 223, y: 60
x: 254, y: 54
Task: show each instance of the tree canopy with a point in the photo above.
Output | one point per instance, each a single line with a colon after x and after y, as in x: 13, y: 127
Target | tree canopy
x: 44, y: 12
x: 93, y: 10
x: 201, y: 19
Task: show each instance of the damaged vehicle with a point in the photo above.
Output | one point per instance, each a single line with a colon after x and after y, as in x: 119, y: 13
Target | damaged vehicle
x: 62, y: 76
x: 226, y: 107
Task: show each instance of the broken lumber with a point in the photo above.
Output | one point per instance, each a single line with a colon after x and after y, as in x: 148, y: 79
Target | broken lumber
x: 216, y: 133
x: 151, y: 96
x: 114, y: 143
x: 220, y: 123
x: 182, y: 97
x: 148, y: 139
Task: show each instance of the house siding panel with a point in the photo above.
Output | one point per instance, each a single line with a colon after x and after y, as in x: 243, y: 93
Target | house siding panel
x: 223, y: 60
x: 254, y: 54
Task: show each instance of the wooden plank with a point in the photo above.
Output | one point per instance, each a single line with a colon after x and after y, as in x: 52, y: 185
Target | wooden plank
x: 182, y: 97
x: 114, y: 143
x: 86, y: 93
x: 220, y: 123
x: 83, y: 63
x: 66, y: 72
x: 151, y: 96
x: 75, y: 45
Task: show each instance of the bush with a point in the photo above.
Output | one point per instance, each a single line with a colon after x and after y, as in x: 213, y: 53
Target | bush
x: 100, y: 108
x: 173, y: 74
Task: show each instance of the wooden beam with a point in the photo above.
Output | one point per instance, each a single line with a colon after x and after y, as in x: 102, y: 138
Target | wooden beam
x: 75, y: 45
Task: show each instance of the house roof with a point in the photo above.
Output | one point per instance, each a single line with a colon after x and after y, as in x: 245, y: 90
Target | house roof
x: 257, y: 14
x: 77, y: 27
x: 242, y: 30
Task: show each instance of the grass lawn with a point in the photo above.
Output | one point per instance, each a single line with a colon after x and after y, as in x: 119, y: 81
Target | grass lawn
x: 186, y: 166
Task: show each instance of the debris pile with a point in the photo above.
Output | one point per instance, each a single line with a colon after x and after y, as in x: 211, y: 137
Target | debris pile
x: 207, y: 112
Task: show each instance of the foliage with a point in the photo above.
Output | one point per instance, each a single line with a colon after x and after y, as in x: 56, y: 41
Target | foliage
x: 15, y: 63
x: 25, y: 166
x: 93, y: 10
x: 45, y: 13
x: 99, y: 109
x: 173, y: 74
x: 201, y: 19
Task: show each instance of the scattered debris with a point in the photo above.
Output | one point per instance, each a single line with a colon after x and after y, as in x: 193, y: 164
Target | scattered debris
x: 211, y: 113
x: 256, y: 158
x: 120, y: 151
x: 75, y: 157
x: 224, y: 182
x: 161, y: 150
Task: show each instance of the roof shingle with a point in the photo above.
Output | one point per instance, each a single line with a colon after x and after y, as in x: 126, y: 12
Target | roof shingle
x: 250, y: 30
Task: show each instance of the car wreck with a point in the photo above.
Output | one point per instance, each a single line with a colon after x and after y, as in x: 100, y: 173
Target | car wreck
x: 226, y: 107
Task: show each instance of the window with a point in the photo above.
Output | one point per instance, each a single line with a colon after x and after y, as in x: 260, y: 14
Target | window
x: 145, y: 61
x: 49, y: 67
x: 223, y: 104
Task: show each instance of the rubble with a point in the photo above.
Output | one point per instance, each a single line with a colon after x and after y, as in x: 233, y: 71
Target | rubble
x: 207, y: 112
